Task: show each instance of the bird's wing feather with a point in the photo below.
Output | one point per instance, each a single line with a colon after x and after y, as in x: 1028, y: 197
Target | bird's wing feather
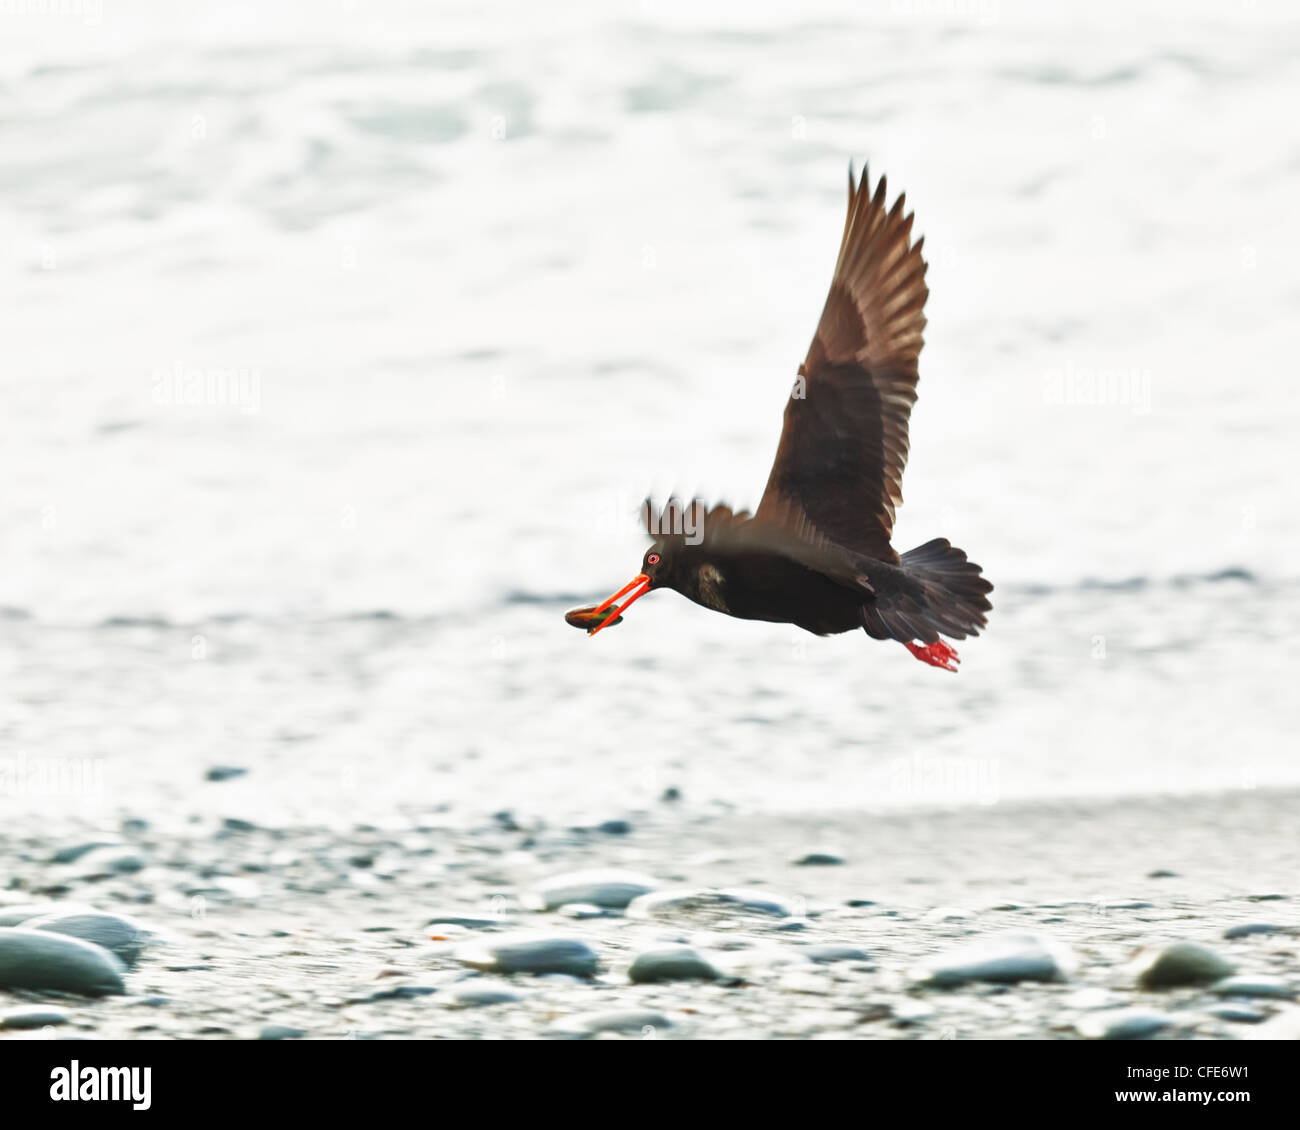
x: 786, y: 532
x: 844, y: 444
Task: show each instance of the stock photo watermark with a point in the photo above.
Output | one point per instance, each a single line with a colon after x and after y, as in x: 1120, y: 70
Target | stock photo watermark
x: 23, y: 776
x: 186, y: 386
x: 88, y: 12
x: 675, y: 520
x: 1075, y: 385
x: 615, y: 511
x: 944, y: 780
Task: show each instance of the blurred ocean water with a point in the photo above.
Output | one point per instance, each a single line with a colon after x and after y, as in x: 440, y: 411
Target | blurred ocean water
x: 344, y: 340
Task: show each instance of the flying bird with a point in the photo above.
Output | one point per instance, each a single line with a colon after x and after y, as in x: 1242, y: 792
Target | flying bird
x: 816, y: 553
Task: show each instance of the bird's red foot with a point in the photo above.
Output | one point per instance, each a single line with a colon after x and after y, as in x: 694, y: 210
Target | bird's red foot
x: 936, y: 654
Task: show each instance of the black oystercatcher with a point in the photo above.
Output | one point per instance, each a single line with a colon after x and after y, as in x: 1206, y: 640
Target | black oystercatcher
x: 817, y: 551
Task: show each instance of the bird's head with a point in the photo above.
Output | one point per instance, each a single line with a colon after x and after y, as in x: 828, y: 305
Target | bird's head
x: 658, y: 564
x: 656, y: 572
x: 675, y: 530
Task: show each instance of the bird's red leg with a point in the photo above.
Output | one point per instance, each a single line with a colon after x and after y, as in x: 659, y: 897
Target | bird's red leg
x: 937, y: 654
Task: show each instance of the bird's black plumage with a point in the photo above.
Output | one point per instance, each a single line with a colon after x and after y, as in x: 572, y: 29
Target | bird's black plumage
x: 817, y: 551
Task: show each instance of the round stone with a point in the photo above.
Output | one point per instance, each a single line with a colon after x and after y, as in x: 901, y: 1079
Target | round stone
x: 540, y: 953
x: 37, y: 959
x: 280, y: 1032
x: 819, y: 859
x: 830, y: 953
x: 688, y: 901
x: 123, y: 937
x: 1181, y: 963
x: 1272, y: 987
x: 1123, y: 1024
x: 1248, y: 929
x: 671, y: 963
x: 1001, y: 958
x: 34, y: 1016
x: 1237, y: 1013
x: 606, y: 887
x: 467, y: 921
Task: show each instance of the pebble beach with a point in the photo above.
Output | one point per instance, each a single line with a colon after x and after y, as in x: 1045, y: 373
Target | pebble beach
x: 1156, y: 918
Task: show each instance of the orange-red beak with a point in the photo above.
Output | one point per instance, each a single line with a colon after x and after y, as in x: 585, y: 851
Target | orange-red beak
x: 635, y: 589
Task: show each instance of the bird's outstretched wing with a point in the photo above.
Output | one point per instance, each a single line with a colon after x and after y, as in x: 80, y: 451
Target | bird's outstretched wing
x: 844, y: 444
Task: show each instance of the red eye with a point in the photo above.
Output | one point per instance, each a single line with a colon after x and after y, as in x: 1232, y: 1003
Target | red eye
x: 653, y: 559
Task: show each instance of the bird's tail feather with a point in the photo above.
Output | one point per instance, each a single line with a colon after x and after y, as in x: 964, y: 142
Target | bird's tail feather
x: 945, y: 595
